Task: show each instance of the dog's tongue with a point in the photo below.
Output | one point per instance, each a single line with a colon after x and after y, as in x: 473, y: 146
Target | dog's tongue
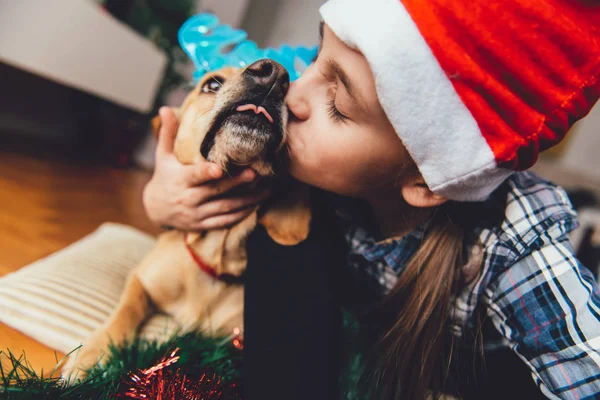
x: 257, y: 110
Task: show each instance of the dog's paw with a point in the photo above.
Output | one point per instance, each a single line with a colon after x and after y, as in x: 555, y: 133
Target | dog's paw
x: 70, y: 372
x: 78, y: 363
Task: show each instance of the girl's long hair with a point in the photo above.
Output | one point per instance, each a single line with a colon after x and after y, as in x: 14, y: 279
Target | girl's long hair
x: 411, y: 358
x: 405, y: 362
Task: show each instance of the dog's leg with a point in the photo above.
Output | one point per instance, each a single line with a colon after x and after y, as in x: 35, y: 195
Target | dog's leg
x: 133, y: 308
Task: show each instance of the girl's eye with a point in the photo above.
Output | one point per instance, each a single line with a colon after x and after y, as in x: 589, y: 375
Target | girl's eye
x: 334, y: 113
x: 212, y: 85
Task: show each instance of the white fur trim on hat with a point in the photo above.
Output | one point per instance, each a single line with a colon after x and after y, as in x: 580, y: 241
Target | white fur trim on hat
x: 434, y: 125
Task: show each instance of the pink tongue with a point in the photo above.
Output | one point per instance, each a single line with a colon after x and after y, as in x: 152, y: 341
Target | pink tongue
x: 257, y: 110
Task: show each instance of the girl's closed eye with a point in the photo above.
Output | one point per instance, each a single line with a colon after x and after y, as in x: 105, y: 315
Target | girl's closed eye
x: 334, y: 113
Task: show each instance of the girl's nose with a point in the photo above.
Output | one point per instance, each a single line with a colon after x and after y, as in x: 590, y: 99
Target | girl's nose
x: 296, y: 100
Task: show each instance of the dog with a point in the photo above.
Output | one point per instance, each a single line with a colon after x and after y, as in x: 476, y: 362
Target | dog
x: 235, y: 118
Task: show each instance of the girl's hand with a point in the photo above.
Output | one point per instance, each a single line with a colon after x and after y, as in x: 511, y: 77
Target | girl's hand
x: 191, y: 197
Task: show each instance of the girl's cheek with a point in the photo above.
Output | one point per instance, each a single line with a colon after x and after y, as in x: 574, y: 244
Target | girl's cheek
x: 311, y: 134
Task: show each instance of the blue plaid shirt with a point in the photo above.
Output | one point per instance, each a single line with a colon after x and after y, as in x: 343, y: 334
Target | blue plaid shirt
x: 544, y: 303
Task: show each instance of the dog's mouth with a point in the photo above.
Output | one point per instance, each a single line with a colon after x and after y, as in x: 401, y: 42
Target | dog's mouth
x: 256, y: 128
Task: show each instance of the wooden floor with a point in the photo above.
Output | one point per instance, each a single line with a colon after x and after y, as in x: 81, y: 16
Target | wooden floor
x: 46, y: 205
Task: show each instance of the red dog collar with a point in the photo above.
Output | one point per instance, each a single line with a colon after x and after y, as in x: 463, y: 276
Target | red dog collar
x: 225, y: 277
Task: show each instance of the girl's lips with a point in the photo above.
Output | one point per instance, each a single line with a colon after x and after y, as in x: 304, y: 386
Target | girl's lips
x: 257, y: 110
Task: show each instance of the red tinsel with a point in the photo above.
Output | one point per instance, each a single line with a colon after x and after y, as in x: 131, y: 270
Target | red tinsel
x: 162, y: 383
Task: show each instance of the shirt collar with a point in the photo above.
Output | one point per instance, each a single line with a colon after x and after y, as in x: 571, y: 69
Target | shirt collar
x: 394, y: 251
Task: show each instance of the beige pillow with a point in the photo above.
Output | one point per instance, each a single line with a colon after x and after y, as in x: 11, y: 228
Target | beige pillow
x: 59, y: 300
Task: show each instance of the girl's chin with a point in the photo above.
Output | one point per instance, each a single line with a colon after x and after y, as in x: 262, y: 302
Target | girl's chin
x: 293, y: 169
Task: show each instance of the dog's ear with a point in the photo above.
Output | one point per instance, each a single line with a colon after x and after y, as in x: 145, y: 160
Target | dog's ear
x: 156, y: 123
x: 287, y: 219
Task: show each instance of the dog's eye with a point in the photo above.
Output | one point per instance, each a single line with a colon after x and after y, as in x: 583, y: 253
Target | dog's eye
x: 212, y: 85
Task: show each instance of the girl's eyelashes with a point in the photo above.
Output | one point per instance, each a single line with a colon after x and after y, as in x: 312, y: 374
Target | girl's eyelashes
x: 334, y: 113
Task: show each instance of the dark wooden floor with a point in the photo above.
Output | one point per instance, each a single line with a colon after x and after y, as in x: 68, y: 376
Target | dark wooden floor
x: 46, y: 205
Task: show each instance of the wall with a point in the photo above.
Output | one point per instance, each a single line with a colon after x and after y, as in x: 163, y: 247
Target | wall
x: 272, y: 22
x: 230, y: 12
x: 583, y: 151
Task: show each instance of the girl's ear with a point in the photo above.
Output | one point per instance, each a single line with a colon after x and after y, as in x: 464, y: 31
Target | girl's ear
x: 417, y: 194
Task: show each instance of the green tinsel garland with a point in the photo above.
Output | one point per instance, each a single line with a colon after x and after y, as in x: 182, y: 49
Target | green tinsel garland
x: 18, y: 380
x: 196, y: 351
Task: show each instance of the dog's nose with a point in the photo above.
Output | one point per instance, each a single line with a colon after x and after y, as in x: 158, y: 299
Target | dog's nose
x: 269, y: 76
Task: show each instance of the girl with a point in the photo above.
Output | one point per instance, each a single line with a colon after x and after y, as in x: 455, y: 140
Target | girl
x: 421, y: 111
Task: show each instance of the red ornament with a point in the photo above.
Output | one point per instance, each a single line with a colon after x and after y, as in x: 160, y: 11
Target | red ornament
x: 162, y: 383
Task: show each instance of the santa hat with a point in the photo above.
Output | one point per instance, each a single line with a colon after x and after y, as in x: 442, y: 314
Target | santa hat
x: 476, y: 88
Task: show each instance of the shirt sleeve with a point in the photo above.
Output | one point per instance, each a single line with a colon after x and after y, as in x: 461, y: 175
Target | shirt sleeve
x: 547, y: 305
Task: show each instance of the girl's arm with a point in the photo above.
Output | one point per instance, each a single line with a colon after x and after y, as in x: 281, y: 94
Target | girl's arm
x: 548, y: 307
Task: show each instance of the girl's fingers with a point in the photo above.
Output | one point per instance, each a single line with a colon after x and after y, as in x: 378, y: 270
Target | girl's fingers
x: 222, y: 186
x: 229, y: 205
x: 200, y: 173
x: 224, y: 221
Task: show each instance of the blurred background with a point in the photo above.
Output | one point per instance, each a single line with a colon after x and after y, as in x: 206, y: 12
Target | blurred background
x: 80, y: 81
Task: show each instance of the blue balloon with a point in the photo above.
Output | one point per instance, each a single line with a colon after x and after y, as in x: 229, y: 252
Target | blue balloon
x: 212, y: 46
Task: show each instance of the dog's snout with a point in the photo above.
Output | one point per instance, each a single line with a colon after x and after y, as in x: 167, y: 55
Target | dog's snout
x: 269, y: 76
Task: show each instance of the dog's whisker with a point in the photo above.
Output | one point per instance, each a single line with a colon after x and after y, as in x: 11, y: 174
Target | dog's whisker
x: 226, y: 171
x: 239, y: 162
x: 203, y: 113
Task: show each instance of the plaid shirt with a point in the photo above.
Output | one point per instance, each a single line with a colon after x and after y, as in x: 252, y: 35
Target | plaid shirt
x: 544, y: 303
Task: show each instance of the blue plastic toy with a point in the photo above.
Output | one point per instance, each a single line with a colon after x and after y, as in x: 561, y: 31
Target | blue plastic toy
x: 206, y: 43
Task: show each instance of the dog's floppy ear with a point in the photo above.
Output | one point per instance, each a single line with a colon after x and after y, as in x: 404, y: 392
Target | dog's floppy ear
x: 156, y: 123
x: 287, y: 218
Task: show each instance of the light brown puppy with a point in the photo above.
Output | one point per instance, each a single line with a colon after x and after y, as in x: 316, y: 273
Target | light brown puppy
x: 234, y: 118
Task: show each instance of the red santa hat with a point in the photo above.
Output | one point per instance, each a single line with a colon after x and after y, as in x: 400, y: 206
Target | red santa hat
x: 476, y: 88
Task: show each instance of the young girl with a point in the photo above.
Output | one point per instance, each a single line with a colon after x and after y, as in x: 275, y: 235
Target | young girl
x: 422, y: 111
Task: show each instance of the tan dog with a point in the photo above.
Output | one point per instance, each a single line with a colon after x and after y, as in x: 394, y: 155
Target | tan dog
x: 234, y: 118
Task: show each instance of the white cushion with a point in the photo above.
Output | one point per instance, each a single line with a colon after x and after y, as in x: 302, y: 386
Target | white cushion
x: 59, y: 300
